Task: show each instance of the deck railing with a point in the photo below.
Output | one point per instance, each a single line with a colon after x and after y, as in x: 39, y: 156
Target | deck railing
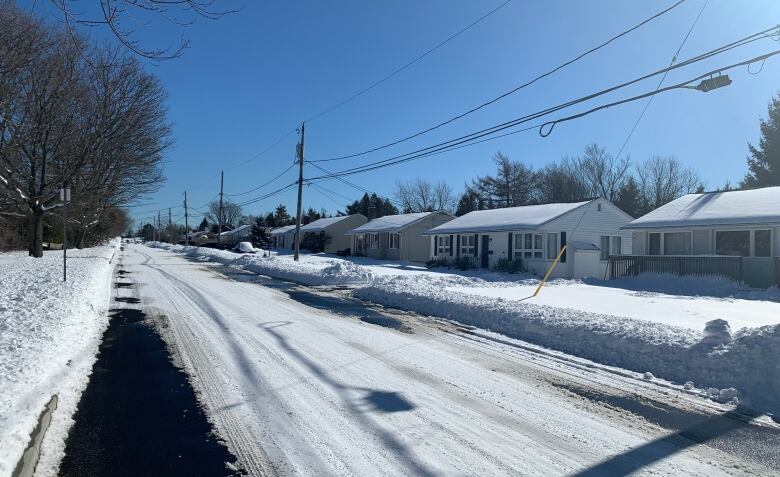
x: 683, y: 265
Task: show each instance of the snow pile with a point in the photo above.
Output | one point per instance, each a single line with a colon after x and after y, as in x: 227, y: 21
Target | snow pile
x: 49, y: 336
x: 690, y: 286
x: 749, y: 362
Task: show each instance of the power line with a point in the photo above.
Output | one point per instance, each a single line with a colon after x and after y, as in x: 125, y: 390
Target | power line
x: 443, y: 147
x: 510, y: 92
x: 661, y: 81
x: 263, y: 184
x: 410, y: 63
x: 268, y: 195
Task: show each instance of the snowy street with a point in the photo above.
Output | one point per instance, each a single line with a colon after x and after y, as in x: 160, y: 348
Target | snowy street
x: 309, y: 381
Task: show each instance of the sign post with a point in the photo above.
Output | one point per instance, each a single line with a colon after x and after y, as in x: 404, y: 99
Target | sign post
x: 65, y: 198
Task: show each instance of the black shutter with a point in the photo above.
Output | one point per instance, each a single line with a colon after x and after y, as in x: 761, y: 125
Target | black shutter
x: 509, y: 250
x: 457, y: 248
x: 476, y: 245
x: 563, y: 244
x: 451, y: 246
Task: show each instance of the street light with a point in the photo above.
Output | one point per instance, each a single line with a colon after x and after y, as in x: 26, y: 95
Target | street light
x: 714, y: 82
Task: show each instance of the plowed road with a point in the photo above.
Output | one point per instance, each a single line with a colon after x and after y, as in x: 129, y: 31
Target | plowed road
x: 303, y: 381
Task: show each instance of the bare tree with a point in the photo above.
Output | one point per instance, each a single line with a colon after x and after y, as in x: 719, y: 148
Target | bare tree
x: 604, y: 174
x: 420, y: 195
x: 562, y: 182
x: 663, y: 179
x: 122, y: 18
x: 101, y: 129
x: 231, y: 213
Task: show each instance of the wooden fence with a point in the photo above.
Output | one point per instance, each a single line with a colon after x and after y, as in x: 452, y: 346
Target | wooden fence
x: 702, y: 266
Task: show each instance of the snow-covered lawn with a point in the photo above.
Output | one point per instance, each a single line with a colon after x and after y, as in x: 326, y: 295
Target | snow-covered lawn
x: 647, y: 324
x: 49, y: 336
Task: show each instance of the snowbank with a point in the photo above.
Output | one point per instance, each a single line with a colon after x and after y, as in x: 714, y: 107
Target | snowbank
x: 748, y: 361
x: 49, y: 336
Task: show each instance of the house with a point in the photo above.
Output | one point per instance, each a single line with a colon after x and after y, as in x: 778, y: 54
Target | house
x: 397, y: 237
x: 283, y: 237
x: 732, y: 233
x: 535, y: 234
x: 335, y: 229
x: 242, y: 233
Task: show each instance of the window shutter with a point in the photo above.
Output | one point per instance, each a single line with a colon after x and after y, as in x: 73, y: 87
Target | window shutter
x: 476, y: 244
x: 457, y: 248
x: 563, y: 244
x: 450, y: 245
x: 509, y: 253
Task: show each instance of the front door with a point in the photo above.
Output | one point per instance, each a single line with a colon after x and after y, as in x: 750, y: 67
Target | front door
x: 485, y: 249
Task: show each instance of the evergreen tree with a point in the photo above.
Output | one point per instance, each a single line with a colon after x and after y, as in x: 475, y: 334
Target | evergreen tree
x: 372, y: 206
x: 260, y: 235
x: 629, y: 199
x: 204, y: 225
x: 764, y: 160
x: 281, y: 217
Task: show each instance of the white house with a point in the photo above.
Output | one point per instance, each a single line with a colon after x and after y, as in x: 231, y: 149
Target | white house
x: 242, y: 233
x: 283, y: 237
x: 335, y: 229
x: 397, y: 237
x: 535, y: 234
x: 743, y: 224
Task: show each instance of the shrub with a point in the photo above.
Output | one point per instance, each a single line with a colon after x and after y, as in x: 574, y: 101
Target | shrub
x: 437, y: 262
x: 509, y: 266
x: 465, y: 263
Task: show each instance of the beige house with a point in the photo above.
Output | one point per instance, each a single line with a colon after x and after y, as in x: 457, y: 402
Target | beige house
x: 397, y: 237
x: 335, y: 229
x: 535, y: 234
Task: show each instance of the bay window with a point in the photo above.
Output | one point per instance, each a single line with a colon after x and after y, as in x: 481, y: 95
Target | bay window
x: 528, y: 246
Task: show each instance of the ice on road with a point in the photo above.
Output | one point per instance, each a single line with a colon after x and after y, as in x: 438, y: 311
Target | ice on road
x: 298, y: 389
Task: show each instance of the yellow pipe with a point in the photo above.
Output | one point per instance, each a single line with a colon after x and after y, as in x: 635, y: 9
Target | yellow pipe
x: 549, y: 271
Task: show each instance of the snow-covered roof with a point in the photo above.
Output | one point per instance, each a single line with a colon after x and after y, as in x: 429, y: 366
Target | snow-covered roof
x: 527, y: 217
x: 281, y: 230
x: 324, y: 223
x: 391, y: 223
x: 756, y: 206
x: 237, y: 231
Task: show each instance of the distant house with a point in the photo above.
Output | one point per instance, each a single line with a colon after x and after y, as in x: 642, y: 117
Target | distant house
x: 535, y: 234
x: 397, y: 237
x: 283, y: 237
x: 335, y: 229
x: 242, y: 233
x: 703, y: 230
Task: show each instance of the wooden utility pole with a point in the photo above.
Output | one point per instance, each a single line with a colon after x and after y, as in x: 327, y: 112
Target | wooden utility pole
x: 221, y: 191
x: 169, y: 217
x: 186, y: 222
x: 300, y: 195
x: 159, y: 226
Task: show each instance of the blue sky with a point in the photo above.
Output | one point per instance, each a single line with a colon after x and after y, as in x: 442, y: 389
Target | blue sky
x: 252, y: 76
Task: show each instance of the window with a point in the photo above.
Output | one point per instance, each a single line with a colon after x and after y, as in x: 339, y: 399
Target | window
x: 762, y: 243
x: 393, y: 241
x: 442, y: 245
x: 733, y: 243
x: 552, y: 246
x: 360, y: 242
x: 604, y: 254
x: 677, y: 243
x: 654, y: 244
x: 616, y: 245
x: 373, y: 241
x: 528, y: 246
x: 468, y: 245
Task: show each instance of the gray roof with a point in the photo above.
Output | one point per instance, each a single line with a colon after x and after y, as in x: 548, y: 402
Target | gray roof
x: 392, y: 223
x: 738, y: 207
x: 281, y: 230
x: 528, y: 217
x: 324, y: 223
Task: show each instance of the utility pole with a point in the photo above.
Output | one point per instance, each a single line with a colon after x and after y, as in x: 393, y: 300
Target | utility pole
x: 186, y: 222
x: 221, y: 193
x: 299, y: 154
x: 65, y: 198
x: 169, y: 217
x: 159, y: 226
